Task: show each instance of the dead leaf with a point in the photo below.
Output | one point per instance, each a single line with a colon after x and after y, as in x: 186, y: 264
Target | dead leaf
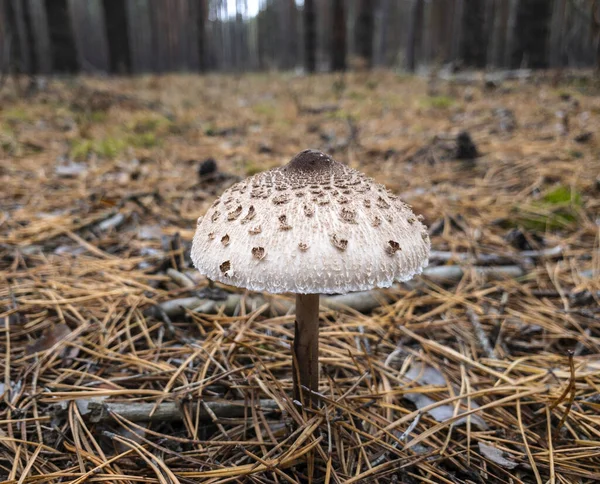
x: 496, y: 455
x: 149, y: 232
x: 112, y: 222
x: 70, y: 170
x: 49, y: 338
x: 427, y: 375
x: 444, y: 412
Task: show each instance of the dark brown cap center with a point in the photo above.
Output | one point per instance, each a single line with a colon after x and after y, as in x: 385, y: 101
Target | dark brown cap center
x: 310, y: 160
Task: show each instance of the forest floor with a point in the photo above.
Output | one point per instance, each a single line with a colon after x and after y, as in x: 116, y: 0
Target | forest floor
x: 118, y: 365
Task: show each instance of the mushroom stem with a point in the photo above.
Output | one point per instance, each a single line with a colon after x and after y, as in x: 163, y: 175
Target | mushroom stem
x: 306, y: 347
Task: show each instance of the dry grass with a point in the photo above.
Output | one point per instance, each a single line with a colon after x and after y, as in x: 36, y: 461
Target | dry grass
x: 475, y: 381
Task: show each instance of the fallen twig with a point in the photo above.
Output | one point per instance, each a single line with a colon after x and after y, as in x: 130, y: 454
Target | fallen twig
x: 96, y: 410
x: 180, y: 278
x: 455, y: 273
x: 112, y: 222
x: 481, y: 334
x: 498, y: 259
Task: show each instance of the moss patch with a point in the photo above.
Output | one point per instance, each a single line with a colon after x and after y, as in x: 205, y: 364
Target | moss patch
x: 438, y: 102
x: 557, y: 209
x: 108, y: 147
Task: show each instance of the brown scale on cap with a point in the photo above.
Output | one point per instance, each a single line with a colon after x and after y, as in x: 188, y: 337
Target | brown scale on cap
x: 225, y: 266
x: 281, y: 199
x: 235, y: 213
x: 382, y: 203
x: 250, y: 215
x: 339, y: 243
x: 348, y: 215
x: 283, y: 225
x: 260, y: 193
x: 392, y: 247
x: 225, y: 240
x: 258, y: 253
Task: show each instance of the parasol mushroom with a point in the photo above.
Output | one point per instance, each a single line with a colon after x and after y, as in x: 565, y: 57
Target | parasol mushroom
x: 314, y: 226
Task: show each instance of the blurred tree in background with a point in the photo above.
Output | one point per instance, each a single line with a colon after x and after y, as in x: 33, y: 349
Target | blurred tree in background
x: 136, y: 36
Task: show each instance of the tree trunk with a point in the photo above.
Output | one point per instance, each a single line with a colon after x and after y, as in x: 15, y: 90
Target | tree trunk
x: 496, y: 46
x: 200, y: 16
x: 291, y: 34
x: 488, y: 29
x: 22, y: 37
x: 62, y: 42
x: 511, y: 26
x: 413, y: 48
x: 267, y: 22
x: 324, y: 34
x: 283, y: 35
x: 338, y: 39
x: 595, y: 28
x: 253, y: 53
x: 396, y: 38
x: 310, y: 36
x: 437, y: 33
x: 87, y: 20
x: 474, y: 39
x: 237, y: 28
x: 226, y: 37
x: 381, y: 33
x: 115, y: 13
x: 532, y: 29
x: 160, y: 51
x: 4, y: 40
x: 457, y: 32
x: 216, y: 35
x: 557, y: 27
x: 365, y: 26
x: 183, y: 31
x: 41, y: 37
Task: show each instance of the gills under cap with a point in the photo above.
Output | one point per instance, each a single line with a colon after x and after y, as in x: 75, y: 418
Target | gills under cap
x: 312, y: 226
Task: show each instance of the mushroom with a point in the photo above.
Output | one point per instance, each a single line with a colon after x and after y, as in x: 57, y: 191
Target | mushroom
x: 314, y: 226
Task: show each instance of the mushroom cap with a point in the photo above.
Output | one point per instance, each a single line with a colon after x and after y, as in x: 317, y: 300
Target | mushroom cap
x: 312, y: 226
